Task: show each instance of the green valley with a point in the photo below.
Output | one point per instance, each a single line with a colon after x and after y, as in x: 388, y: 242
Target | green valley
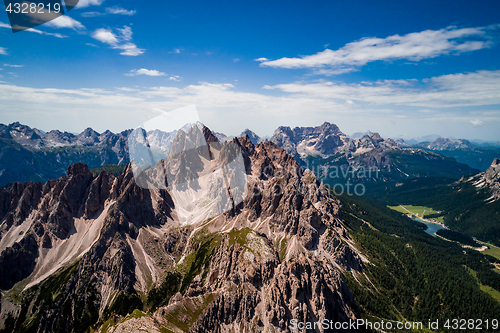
x: 411, y: 276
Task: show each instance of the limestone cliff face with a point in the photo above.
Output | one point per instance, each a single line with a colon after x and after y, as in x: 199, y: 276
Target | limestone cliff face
x: 489, y: 179
x: 92, y: 248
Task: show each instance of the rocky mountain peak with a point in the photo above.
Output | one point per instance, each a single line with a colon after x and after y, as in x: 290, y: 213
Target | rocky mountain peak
x: 276, y: 255
x: 328, y: 127
x: 89, y: 132
x: 489, y: 179
x: 253, y: 137
x: 327, y: 140
x: 209, y: 136
x: 447, y: 144
x: 78, y: 169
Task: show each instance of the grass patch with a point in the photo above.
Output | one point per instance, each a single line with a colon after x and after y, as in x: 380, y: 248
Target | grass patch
x: 160, y: 296
x: 492, y: 292
x: 199, y: 260
x: 239, y: 236
x: 419, y: 211
x: 123, y: 304
x: 189, y: 314
x: 107, y: 324
x: 137, y: 314
x: 487, y: 289
x: 282, y: 248
x: 492, y: 251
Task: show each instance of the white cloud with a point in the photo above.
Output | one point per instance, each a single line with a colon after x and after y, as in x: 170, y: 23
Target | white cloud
x: 175, y: 78
x: 63, y: 21
x: 147, y: 72
x: 454, y: 90
x: 436, y: 105
x: 120, y: 11
x: 3, y: 25
x: 16, y: 66
x: 3, y: 50
x: 130, y: 49
x: 47, y: 33
x: 91, y: 14
x: 126, y: 33
x: 90, y: 44
x: 476, y: 122
x: 413, y: 46
x: 105, y: 36
x: 236, y: 60
x: 118, y: 41
x: 86, y: 3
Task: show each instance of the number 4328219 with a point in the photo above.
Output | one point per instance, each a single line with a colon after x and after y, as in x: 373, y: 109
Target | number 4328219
x: 32, y: 8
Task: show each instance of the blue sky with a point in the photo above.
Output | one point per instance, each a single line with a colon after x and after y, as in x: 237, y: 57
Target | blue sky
x: 394, y: 67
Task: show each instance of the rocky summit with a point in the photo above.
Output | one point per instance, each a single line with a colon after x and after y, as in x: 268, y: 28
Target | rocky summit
x: 325, y: 149
x: 327, y: 140
x: 489, y: 179
x: 95, y: 252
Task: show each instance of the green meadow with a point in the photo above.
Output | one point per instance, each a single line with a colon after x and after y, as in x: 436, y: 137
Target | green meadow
x: 420, y: 211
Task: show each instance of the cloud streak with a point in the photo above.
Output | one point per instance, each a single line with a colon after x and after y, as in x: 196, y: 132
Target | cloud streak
x: 453, y: 90
x: 120, y: 40
x: 413, y: 46
x: 462, y: 102
x: 3, y: 25
x: 87, y: 3
x: 120, y: 11
x: 147, y: 72
x: 55, y: 21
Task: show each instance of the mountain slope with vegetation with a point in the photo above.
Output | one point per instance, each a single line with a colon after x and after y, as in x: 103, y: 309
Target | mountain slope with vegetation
x: 412, y: 276
x: 470, y: 206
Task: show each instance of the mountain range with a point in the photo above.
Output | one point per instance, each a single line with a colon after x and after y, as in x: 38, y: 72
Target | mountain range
x: 95, y: 252
x: 473, y: 154
x: 30, y: 154
x: 325, y: 149
x: 87, y: 249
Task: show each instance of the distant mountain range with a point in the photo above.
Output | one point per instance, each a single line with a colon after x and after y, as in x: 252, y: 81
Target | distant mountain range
x: 30, y: 154
x: 325, y: 149
x: 97, y: 252
x: 475, y: 155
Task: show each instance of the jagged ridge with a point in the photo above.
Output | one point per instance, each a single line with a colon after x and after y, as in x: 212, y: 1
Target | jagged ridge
x: 276, y: 256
